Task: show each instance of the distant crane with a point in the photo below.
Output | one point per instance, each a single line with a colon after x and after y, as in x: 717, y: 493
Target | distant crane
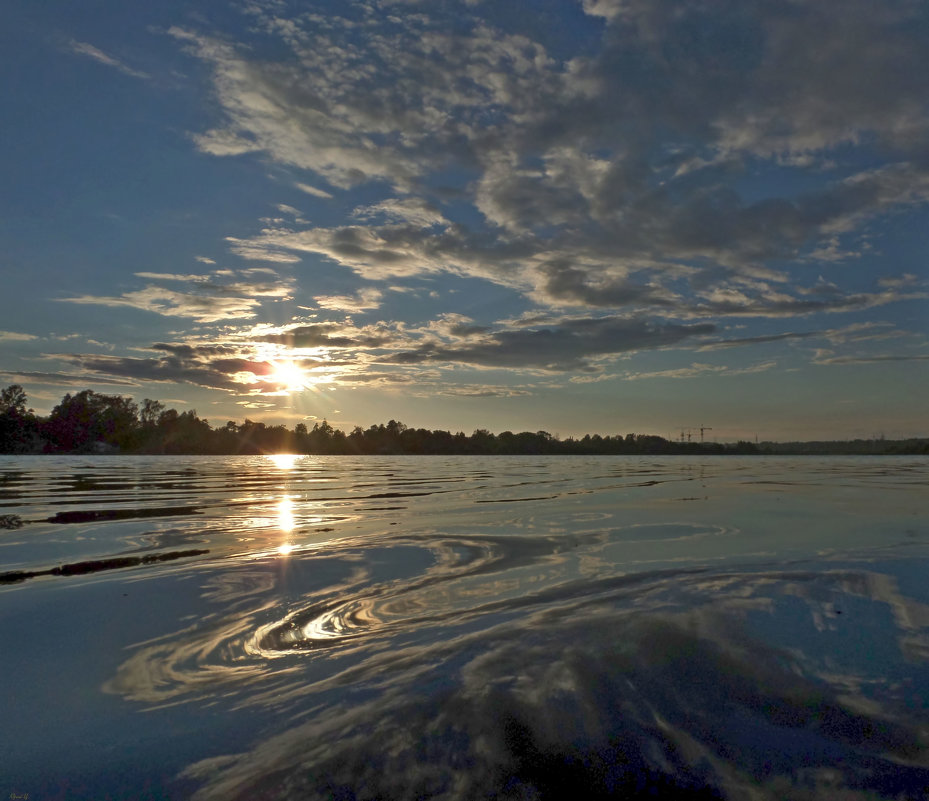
x: 688, y: 433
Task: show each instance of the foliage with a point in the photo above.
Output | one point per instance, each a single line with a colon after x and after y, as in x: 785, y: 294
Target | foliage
x: 92, y: 422
x: 18, y: 425
x: 82, y: 421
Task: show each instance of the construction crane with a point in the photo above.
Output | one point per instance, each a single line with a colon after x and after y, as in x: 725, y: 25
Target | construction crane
x: 688, y: 433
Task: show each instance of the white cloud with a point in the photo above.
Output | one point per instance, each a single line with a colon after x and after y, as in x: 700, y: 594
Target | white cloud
x: 212, y: 298
x: 13, y: 336
x: 173, y: 277
x: 363, y: 300
x: 85, y: 49
x: 169, y: 303
x: 415, y: 211
x: 312, y: 190
x: 603, y: 8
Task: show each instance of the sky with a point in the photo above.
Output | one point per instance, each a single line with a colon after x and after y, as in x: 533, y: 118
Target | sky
x: 576, y: 216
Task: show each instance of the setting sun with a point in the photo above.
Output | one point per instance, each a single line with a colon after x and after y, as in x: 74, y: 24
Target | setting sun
x: 289, y: 376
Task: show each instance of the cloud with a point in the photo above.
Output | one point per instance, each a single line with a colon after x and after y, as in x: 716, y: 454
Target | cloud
x: 620, y: 178
x: 85, y: 49
x: 696, y: 370
x: 169, y: 303
x: 415, y: 211
x: 327, y: 335
x: 456, y: 326
x: 897, y: 282
x: 233, y: 368
x: 213, y: 298
x: 363, y: 300
x: 173, y: 277
x: 312, y: 190
x: 372, y: 378
x: 758, y: 340
x: 687, y: 164
x: 13, y: 336
x: 263, y: 100
x: 483, y: 391
x: 166, y: 369
x: 732, y: 301
x: 395, y: 354
x: 822, y: 357
x: 565, y: 346
x: 62, y: 379
x: 371, y: 252
x: 603, y: 8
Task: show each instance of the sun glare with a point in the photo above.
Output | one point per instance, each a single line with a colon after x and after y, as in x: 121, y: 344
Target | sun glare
x: 289, y: 376
x: 284, y: 461
x: 285, y: 515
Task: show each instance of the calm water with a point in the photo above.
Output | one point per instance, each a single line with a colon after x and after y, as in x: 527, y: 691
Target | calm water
x: 464, y: 627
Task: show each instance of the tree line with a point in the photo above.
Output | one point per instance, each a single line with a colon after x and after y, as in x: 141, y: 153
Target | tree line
x: 91, y: 422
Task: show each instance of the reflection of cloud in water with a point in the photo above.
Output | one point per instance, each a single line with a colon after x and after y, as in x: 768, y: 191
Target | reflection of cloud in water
x: 527, y: 666
x: 368, y: 593
x: 662, y: 688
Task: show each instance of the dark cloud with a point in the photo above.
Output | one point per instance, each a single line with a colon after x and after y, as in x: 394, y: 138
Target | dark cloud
x: 563, y: 347
x: 324, y: 335
x: 61, y: 379
x: 564, y: 282
x: 372, y: 377
x: 169, y: 369
x: 871, y: 359
x: 211, y: 366
x: 194, y: 351
x: 759, y: 340
x: 770, y: 303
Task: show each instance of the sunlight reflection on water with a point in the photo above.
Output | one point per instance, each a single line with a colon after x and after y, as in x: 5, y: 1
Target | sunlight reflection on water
x: 472, y: 627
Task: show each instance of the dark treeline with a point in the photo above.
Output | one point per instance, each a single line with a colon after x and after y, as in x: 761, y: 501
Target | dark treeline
x: 90, y: 422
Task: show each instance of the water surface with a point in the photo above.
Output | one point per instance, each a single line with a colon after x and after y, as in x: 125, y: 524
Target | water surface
x: 464, y: 627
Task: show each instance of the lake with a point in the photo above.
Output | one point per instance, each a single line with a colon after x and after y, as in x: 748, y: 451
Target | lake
x: 464, y: 627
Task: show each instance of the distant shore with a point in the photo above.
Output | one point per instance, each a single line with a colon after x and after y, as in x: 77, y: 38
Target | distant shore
x: 91, y: 423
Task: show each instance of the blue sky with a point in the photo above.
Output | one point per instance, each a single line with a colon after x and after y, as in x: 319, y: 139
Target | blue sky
x: 579, y: 216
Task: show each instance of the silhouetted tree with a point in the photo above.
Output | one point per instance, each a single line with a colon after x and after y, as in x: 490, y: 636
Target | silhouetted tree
x: 184, y: 433
x: 13, y: 400
x: 150, y: 412
x: 18, y: 425
x: 82, y: 421
x: 88, y: 421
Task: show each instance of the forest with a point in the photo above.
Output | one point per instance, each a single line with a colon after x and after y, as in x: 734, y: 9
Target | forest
x: 91, y: 422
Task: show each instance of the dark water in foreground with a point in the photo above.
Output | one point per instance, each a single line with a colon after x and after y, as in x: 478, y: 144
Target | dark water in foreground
x: 464, y: 627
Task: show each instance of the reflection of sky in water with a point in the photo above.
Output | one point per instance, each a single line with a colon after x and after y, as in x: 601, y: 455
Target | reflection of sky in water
x: 424, y: 627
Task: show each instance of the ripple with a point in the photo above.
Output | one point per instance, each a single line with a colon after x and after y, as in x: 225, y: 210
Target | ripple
x: 676, y: 682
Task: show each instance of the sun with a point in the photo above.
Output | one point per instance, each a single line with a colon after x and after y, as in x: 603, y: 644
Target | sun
x: 289, y: 376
